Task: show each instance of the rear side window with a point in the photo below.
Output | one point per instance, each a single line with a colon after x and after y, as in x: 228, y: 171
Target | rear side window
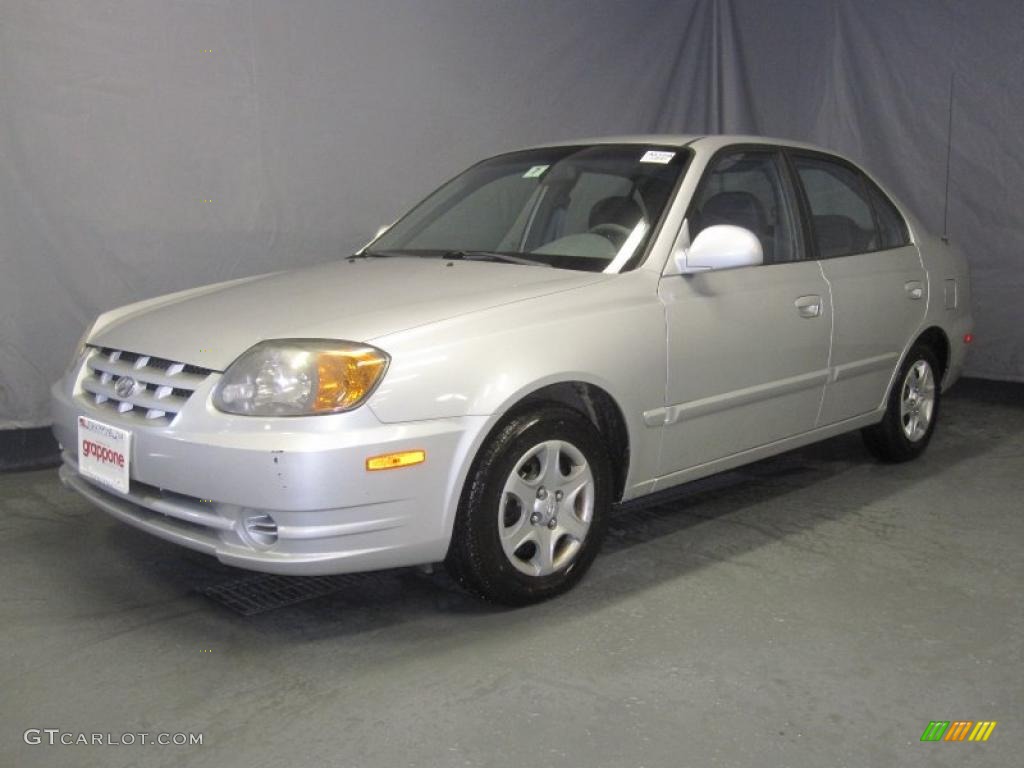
x: 891, y: 226
x: 841, y: 211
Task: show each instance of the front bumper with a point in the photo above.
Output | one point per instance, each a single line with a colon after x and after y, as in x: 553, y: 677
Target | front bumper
x: 285, y: 495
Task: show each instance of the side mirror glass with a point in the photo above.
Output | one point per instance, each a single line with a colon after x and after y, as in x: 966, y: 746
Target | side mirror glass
x: 721, y: 246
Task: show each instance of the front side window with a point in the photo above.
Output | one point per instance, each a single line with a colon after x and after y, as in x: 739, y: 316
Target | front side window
x: 841, y: 211
x: 588, y: 208
x: 746, y: 189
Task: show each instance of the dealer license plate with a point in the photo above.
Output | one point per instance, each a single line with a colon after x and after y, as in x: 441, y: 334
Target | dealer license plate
x: 104, y: 453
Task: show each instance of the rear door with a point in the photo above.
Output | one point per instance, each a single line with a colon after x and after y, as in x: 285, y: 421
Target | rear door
x: 875, y: 275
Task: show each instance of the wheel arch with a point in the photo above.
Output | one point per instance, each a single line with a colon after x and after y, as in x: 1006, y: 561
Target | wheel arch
x: 937, y: 339
x: 600, y: 409
x: 591, y: 399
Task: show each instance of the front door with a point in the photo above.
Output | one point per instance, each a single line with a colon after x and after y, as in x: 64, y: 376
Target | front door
x: 747, y: 348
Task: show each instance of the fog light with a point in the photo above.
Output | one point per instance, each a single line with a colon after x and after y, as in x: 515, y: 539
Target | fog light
x: 395, y: 460
x: 261, y: 530
x: 968, y: 338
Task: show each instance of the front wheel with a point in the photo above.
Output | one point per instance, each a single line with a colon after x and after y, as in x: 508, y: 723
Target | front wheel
x: 911, y: 411
x: 534, y: 509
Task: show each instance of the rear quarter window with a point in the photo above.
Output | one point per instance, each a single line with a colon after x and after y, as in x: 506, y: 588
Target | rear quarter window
x: 892, y: 228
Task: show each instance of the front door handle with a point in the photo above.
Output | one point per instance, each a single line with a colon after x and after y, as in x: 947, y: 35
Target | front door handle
x: 808, y: 306
x: 914, y: 289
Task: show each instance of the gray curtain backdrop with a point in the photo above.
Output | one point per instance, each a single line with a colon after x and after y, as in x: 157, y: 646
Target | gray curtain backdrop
x: 151, y: 146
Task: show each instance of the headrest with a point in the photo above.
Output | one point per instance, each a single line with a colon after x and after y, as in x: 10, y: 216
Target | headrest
x: 615, y: 210
x: 739, y: 208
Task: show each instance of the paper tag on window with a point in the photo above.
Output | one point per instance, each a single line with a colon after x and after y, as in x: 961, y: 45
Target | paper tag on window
x: 537, y: 170
x: 657, y: 156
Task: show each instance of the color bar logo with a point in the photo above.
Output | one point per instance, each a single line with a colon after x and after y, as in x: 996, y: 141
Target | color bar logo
x: 958, y: 730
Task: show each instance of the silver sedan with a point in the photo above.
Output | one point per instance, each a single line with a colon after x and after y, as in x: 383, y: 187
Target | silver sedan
x: 555, y: 330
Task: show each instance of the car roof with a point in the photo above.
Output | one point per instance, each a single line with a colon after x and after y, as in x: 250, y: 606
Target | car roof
x: 704, y: 141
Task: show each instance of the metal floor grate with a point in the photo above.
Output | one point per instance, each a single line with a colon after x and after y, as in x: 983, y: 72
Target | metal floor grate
x: 266, y: 591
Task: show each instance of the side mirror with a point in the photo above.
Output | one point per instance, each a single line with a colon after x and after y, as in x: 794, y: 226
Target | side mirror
x: 721, y: 246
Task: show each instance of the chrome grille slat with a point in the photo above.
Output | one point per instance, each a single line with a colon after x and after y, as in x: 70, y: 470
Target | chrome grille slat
x: 162, y: 387
x: 143, y: 399
x: 153, y: 375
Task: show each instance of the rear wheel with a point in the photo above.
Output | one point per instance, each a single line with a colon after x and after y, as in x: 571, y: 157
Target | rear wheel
x: 911, y: 411
x: 534, y: 508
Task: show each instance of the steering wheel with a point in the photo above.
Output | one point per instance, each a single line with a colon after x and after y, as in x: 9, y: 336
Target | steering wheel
x: 615, y: 233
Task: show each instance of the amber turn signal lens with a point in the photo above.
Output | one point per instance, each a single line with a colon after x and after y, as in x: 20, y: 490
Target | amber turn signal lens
x: 395, y: 460
x: 346, y: 377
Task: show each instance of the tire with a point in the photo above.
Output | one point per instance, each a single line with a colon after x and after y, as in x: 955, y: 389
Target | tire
x: 911, y: 412
x: 526, y: 530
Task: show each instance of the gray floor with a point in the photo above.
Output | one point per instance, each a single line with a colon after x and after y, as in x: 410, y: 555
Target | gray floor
x: 817, y: 609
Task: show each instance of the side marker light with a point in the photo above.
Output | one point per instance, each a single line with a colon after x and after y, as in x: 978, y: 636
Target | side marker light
x: 395, y: 460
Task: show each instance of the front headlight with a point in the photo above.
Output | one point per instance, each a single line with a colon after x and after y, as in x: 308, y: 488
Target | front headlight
x: 300, y: 377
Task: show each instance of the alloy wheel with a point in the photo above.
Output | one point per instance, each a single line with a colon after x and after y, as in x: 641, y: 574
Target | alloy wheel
x: 917, y: 401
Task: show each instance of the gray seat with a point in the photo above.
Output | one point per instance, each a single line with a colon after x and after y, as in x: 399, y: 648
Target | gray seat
x: 619, y: 210
x: 840, y: 235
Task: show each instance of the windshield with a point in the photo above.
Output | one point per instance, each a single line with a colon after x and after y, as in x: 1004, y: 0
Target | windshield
x: 589, y: 208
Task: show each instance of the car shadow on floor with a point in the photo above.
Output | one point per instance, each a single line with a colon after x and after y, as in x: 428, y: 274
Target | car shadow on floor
x: 716, y: 519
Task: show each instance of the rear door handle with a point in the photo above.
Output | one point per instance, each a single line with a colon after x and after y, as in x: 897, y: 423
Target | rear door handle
x: 914, y: 289
x: 808, y: 306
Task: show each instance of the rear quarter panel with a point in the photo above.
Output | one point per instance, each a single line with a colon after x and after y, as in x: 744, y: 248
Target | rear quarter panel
x: 949, y: 296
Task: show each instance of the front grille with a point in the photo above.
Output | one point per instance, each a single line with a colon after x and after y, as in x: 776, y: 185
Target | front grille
x: 161, y: 387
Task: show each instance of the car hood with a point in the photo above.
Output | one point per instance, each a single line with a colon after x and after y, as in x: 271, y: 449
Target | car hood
x: 352, y: 299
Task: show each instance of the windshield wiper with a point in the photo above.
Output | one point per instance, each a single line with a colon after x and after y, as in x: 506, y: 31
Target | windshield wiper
x: 460, y: 254
x: 492, y: 256
x: 365, y: 254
